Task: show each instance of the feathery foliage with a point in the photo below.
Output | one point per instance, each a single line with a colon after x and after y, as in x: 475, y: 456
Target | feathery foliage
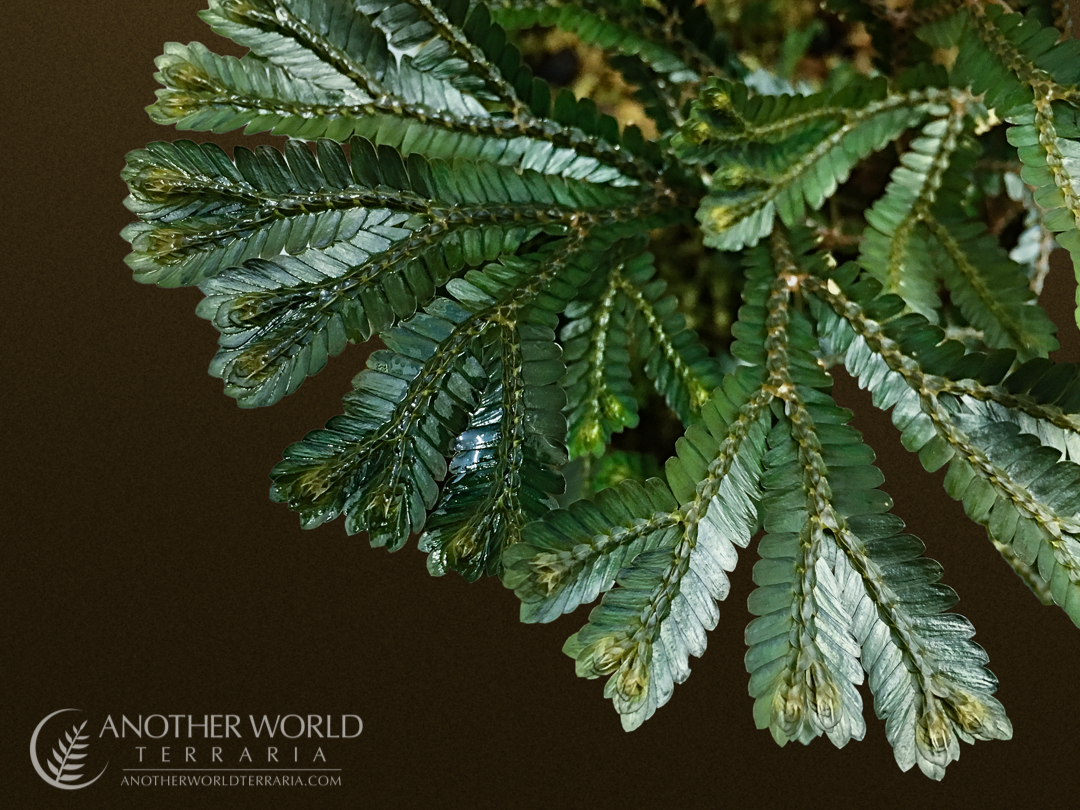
x: 494, y: 233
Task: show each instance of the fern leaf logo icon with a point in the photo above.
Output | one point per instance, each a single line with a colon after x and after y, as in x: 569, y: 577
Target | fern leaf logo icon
x: 65, y: 762
x: 66, y: 756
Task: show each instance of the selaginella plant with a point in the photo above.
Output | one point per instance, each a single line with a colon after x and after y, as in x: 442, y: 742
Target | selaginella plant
x: 889, y: 208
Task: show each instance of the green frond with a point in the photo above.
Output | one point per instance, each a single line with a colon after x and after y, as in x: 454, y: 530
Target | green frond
x: 1011, y: 58
x: 948, y: 404
x: 839, y: 583
x: 990, y: 289
x: 481, y: 93
x: 573, y: 555
x: 627, y: 312
x: 201, y: 212
x: 1049, y: 148
x: 681, y: 369
x: 895, y: 240
x: 802, y: 657
x: 455, y: 41
x: 918, y: 234
x: 677, y: 39
x: 801, y: 654
x: 1031, y: 78
x: 660, y: 565
x: 661, y: 570
x: 207, y: 92
x: 663, y: 601
x: 381, y: 462
x: 928, y: 679
x: 505, y: 469
x: 784, y: 155
x: 372, y: 237
x: 596, y: 346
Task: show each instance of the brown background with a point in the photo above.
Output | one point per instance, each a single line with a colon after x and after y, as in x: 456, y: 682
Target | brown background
x: 145, y: 570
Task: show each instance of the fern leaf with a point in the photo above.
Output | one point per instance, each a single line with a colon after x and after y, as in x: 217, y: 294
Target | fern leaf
x: 381, y: 462
x: 928, y: 679
x: 679, y: 366
x: 894, y: 243
x: 1022, y: 490
x: 990, y: 289
x: 342, y: 47
x: 506, y: 463
x: 600, y: 396
x: 801, y: 653
x: 783, y: 155
x: 1032, y: 79
x: 840, y: 582
x: 206, y: 92
x: 676, y: 40
x: 573, y: 555
x: 453, y: 41
x: 661, y: 565
x: 917, y: 234
x: 802, y: 656
x: 371, y: 241
x: 201, y: 212
x: 646, y: 627
x: 1049, y: 147
x: 596, y: 345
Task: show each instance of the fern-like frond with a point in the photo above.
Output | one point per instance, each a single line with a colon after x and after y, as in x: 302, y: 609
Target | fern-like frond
x: 918, y: 234
x: 894, y: 243
x: 784, y: 155
x: 660, y: 565
x: 206, y: 92
x: 371, y: 238
x: 839, y: 582
x: 627, y: 312
x: 660, y: 603
x: 681, y: 369
x: 990, y: 289
x: 505, y: 467
x: 948, y: 404
x: 455, y: 41
x: 381, y: 462
x: 596, y: 346
x: 201, y: 212
x: 1031, y: 78
x: 324, y: 68
x: 677, y: 39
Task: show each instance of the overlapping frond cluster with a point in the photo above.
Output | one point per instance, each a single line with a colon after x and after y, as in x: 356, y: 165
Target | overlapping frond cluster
x: 1030, y: 79
x: 454, y: 157
x: 494, y: 235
